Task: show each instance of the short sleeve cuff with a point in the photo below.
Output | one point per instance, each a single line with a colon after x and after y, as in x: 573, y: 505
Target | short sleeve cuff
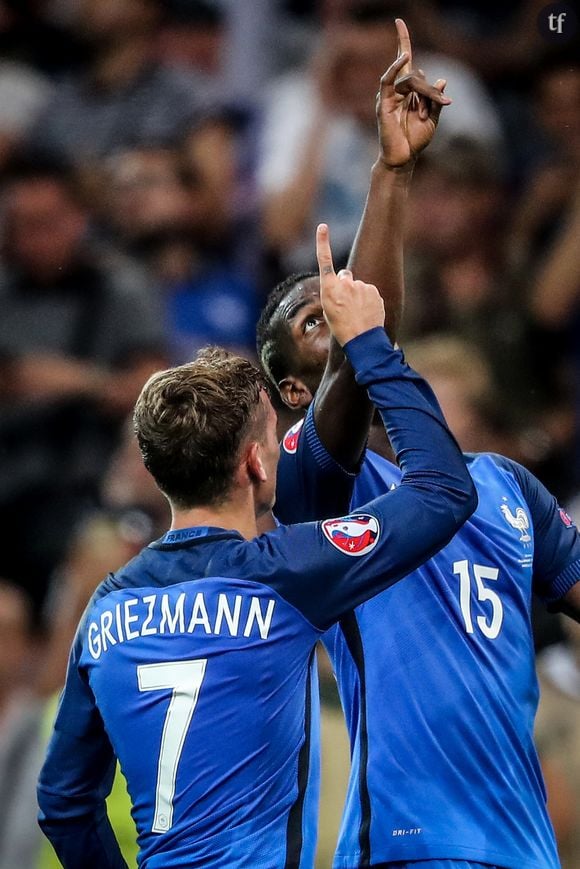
x: 563, y: 582
x: 360, y: 350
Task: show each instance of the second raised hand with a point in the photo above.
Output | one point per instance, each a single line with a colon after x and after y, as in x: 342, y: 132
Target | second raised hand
x: 408, y: 107
x: 350, y: 307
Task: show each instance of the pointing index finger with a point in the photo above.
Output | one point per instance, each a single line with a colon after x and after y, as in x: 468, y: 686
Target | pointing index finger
x: 404, y: 44
x: 324, y: 254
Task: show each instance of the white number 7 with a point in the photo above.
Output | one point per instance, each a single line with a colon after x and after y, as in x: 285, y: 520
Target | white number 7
x: 184, y: 678
x: 480, y: 572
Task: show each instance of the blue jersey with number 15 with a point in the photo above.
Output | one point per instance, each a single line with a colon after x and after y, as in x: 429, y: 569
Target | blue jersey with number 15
x: 436, y: 675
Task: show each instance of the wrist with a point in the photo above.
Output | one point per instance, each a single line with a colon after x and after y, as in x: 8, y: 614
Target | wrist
x: 374, y: 337
x: 370, y: 349
x: 396, y: 174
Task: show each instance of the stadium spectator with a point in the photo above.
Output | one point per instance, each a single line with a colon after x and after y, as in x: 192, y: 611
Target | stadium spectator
x: 79, y: 334
x: 176, y: 212
x: 149, y: 205
x: 193, y: 35
x: 124, y: 97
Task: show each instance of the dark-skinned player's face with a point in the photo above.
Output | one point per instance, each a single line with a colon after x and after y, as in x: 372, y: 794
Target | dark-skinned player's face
x: 301, y: 312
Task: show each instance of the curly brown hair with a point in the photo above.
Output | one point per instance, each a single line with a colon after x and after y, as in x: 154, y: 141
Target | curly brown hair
x: 191, y: 420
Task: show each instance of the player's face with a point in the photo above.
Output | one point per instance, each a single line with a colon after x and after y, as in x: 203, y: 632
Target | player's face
x: 302, y: 315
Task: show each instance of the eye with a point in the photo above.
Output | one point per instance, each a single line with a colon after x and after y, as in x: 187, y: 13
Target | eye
x: 311, y: 323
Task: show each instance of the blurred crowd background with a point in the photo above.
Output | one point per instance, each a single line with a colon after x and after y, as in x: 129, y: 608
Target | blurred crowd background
x: 163, y: 164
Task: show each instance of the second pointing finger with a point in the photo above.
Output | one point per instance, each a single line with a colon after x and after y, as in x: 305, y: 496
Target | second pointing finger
x: 323, y: 251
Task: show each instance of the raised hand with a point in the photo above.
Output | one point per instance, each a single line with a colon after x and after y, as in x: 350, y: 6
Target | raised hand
x: 350, y: 307
x: 408, y: 107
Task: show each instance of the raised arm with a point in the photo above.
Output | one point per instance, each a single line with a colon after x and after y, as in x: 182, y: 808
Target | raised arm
x: 339, y: 563
x: 408, y: 110
x: 407, y: 113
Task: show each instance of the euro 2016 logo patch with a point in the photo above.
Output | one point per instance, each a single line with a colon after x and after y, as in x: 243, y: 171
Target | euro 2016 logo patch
x: 566, y: 519
x: 353, y: 535
x: 292, y: 436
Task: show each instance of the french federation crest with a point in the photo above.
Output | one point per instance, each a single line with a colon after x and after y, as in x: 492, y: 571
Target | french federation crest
x: 519, y: 521
x: 353, y: 535
x: 292, y: 436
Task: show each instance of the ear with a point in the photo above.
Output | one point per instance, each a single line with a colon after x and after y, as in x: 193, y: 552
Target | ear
x: 256, y: 470
x: 294, y: 393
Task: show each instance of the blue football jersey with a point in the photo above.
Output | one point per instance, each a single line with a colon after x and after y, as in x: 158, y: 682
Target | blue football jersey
x: 215, y: 751
x: 437, y: 678
x: 193, y: 664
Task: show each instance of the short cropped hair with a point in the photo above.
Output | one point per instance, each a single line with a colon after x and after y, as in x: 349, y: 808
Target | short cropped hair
x: 191, y: 421
x: 273, y: 342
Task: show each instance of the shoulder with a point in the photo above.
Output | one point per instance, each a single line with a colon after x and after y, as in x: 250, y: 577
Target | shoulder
x: 496, y: 475
x: 493, y: 462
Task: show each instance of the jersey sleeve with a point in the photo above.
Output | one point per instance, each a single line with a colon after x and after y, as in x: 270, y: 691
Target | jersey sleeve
x: 325, y: 569
x: 556, y: 538
x: 76, y: 778
x: 310, y: 484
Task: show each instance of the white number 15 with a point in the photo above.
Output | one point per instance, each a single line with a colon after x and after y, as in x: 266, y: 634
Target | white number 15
x: 491, y: 628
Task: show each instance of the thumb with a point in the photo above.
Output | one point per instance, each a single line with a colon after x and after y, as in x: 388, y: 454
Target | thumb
x: 435, y: 108
x: 344, y: 274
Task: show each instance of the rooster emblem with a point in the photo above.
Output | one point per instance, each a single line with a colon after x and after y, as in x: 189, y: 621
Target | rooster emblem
x: 519, y: 521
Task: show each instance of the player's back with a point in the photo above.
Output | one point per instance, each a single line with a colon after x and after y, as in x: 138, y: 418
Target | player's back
x: 438, y: 683
x: 204, y: 684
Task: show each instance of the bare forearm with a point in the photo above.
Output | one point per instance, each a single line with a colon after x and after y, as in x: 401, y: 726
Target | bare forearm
x: 377, y: 253
x: 343, y: 411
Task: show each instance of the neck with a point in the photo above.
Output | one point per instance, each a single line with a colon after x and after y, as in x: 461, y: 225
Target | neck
x: 236, y: 514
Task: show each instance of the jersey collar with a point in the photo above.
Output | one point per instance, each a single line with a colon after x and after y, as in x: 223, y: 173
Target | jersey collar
x: 191, y: 536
